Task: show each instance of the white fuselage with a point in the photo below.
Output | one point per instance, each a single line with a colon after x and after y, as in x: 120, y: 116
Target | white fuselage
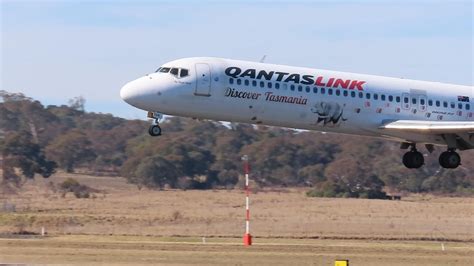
x: 295, y: 97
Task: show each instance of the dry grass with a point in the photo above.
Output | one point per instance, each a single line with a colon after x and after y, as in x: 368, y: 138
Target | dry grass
x: 124, y: 210
x: 125, y: 225
x: 229, y: 251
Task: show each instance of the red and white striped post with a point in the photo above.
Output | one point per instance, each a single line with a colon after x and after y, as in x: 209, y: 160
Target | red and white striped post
x: 247, y: 236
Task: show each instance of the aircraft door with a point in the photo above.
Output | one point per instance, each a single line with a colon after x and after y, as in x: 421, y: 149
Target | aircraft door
x: 203, y: 80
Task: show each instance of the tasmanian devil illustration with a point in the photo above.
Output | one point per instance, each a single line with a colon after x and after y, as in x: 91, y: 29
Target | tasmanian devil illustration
x: 328, y: 112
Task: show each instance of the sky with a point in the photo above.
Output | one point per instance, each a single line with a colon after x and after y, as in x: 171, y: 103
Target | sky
x: 56, y: 50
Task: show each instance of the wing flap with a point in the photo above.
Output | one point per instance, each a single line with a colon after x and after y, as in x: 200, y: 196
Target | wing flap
x: 433, y: 127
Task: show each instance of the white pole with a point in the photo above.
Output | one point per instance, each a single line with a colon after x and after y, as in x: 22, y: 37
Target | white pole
x: 247, y: 236
x: 247, y: 205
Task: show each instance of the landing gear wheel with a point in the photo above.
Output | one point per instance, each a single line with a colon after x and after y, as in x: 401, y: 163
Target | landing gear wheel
x: 154, y: 130
x: 449, y: 159
x: 413, y: 159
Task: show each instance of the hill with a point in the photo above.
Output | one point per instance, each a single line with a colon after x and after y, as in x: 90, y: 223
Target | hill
x: 195, y: 154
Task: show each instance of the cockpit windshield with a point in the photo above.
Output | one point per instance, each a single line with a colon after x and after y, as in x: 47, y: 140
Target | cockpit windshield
x: 175, y: 71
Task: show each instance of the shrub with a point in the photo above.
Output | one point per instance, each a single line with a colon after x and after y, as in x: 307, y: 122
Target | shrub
x: 69, y: 185
x: 80, y: 191
x: 330, y: 189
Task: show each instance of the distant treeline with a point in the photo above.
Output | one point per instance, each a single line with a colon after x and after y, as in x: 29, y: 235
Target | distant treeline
x: 195, y: 154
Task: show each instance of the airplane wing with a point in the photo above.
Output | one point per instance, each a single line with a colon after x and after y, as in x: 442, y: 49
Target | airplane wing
x: 433, y: 127
x: 459, y: 134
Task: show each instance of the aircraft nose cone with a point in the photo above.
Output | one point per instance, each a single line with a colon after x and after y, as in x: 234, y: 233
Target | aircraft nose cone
x: 129, y: 94
x: 139, y: 93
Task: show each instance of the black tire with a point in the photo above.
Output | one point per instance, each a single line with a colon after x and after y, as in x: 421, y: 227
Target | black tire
x: 413, y: 159
x: 407, y: 160
x: 417, y: 159
x: 442, y: 159
x: 449, y: 159
x: 154, y: 130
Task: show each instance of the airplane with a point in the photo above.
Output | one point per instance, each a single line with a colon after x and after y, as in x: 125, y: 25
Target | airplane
x: 408, y: 111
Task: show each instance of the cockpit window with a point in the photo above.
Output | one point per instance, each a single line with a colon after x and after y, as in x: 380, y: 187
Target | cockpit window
x: 184, y: 72
x: 174, y: 71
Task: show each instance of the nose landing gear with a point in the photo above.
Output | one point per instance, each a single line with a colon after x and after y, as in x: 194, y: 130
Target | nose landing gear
x: 155, y: 129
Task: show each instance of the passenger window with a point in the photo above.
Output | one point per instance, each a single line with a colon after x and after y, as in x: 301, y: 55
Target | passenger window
x: 231, y: 81
x: 184, y: 72
x: 438, y: 103
x: 254, y: 83
x: 330, y: 91
x: 338, y: 92
x: 382, y: 97
x: 361, y: 95
x: 430, y: 102
x: 413, y: 100
x: 239, y: 81
x: 397, y: 99
x: 246, y: 82
x: 308, y: 89
x: 353, y: 94
x: 376, y: 96
x: 300, y: 88
x: 367, y: 96
x: 174, y: 71
x: 165, y: 70
x: 315, y: 90
x: 405, y: 100
x: 262, y: 84
x: 468, y: 106
x: 460, y: 106
x: 390, y: 98
x: 277, y: 86
x: 323, y: 90
x: 453, y: 105
x: 422, y: 101
x: 445, y: 104
x: 292, y: 87
x: 269, y: 85
x: 345, y: 93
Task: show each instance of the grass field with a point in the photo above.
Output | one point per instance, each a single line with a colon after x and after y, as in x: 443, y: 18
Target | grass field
x: 122, y: 224
x: 229, y: 251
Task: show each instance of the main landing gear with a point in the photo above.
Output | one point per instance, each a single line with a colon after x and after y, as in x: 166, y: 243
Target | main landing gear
x: 450, y: 159
x: 155, y: 129
x: 414, y: 159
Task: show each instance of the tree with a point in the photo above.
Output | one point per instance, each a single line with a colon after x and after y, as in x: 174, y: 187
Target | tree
x: 155, y: 171
x: 77, y: 103
x: 71, y: 149
x: 353, y: 178
x: 228, y: 178
x: 19, y: 151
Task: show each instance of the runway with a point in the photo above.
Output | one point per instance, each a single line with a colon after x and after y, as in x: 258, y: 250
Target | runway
x: 80, y: 249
